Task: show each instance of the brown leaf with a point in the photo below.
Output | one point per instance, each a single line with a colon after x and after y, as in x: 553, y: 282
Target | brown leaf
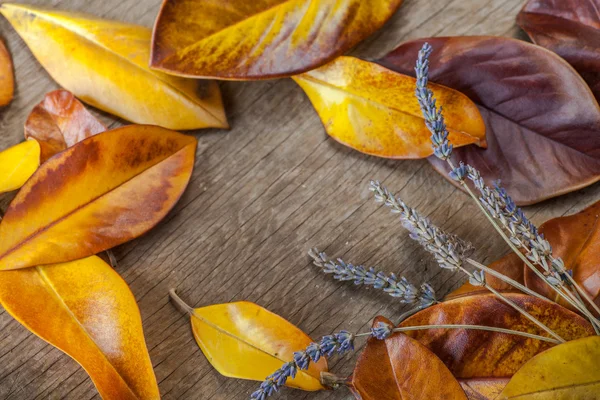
x: 7, y: 77
x: 542, y: 121
x: 483, y: 389
x: 258, y: 39
x: 59, y: 121
x: 571, y: 29
x: 471, y: 354
x: 99, y: 193
x: 401, y: 368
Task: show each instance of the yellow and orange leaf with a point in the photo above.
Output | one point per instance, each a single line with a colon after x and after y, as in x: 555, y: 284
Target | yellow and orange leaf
x: 565, y: 372
x: 101, y: 192
x: 7, y: 77
x: 243, y: 340
x: 241, y: 39
x: 59, y: 121
x: 400, y: 368
x: 85, y: 309
x: 374, y: 110
x: 105, y: 64
x: 17, y: 164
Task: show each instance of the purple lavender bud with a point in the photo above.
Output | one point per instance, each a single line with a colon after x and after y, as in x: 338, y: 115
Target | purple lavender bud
x: 382, y: 331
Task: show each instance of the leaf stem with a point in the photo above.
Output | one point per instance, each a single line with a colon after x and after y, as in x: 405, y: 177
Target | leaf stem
x: 180, y: 304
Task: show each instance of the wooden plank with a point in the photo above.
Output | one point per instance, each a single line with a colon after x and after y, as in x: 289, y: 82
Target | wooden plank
x: 262, y: 194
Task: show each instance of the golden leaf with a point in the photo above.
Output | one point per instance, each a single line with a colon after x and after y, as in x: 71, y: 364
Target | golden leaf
x: 17, y: 164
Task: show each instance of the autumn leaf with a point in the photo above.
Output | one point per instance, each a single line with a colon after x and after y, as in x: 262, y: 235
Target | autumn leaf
x: 59, y: 121
x: 571, y: 29
x: 483, y: 389
x: 243, y: 340
x: 471, y: 354
x: 260, y: 39
x: 17, y: 164
x: 86, y: 310
x: 7, y: 78
x: 568, y: 371
x: 105, y: 64
x: 400, y: 368
x: 375, y: 111
x: 101, y: 192
x: 542, y: 121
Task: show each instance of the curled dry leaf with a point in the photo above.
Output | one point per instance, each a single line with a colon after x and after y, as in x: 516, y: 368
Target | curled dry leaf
x: 483, y: 355
x: 105, y: 64
x: 243, y: 39
x: 243, y: 340
x: 7, y: 77
x: 85, y: 309
x: 568, y: 371
x: 542, y: 121
x: 59, y: 121
x: 17, y: 164
x: 400, y: 368
x: 104, y: 191
x: 375, y: 111
x: 571, y: 29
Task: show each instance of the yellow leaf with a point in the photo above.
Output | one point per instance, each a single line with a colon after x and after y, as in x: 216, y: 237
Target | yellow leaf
x: 258, y: 39
x: 374, y: 110
x: 105, y: 63
x: 565, y: 372
x: 17, y: 164
x: 85, y: 309
x: 243, y: 340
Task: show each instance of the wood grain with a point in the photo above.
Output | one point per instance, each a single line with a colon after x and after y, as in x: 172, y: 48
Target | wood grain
x: 262, y: 194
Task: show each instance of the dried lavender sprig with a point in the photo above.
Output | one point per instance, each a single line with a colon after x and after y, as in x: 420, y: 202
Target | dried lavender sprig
x: 442, y: 246
x: 398, y: 287
x: 343, y: 342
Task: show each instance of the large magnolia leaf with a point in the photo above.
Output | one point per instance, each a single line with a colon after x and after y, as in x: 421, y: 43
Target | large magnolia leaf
x: 241, y: 39
x: 243, y: 340
x: 105, y: 64
x: 472, y: 354
x: 104, y: 191
x: 7, y: 78
x: 17, y: 164
x: 400, y: 368
x: 565, y: 372
x: 85, y: 309
x: 375, y: 111
x: 542, y: 121
x: 59, y: 121
x: 570, y: 28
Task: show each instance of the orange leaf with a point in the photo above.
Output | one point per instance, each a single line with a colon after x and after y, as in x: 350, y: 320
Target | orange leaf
x: 374, y: 110
x: 241, y: 39
x: 401, y: 368
x: 105, y: 64
x: 474, y: 354
x: 104, y: 191
x: 7, y: 78
x: 483, y: 389
x: 85, y: 309
x: 59, y: 121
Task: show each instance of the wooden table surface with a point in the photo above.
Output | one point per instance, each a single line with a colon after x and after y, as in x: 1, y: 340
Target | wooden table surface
x: 261, y: 195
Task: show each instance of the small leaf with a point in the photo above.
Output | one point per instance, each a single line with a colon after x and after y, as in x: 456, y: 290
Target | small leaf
x: 542, y: 121
x: 85, y: 309
x: 7, y: 77
x: 401, y: 368
x: 105, y: 64
x: 568, y: 371
x: 471, y: 354
x: 483, y: 389
x: 104, y: 191
x: 59, y: 121
x: 571, y: 29
x: 241, y: 39
x: 375, y: 111
x: 17, y: 164
x: 243, y: 340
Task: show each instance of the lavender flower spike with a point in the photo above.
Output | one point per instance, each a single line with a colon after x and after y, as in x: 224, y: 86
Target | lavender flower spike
x: 434, y: 119
x: 396, y: 287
